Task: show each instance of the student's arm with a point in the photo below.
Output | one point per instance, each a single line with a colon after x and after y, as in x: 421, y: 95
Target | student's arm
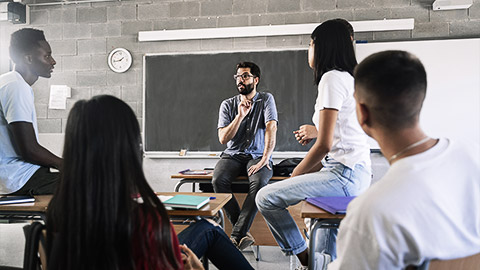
x: 28, y: 147
x: 323, y: 144
x: 227, y: 133
x: 270, y: 140
x: 305, y: 134
x: 190, y: 260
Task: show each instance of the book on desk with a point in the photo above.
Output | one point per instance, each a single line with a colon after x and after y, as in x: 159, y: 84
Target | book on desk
x: 16, y: 199
x: 195, y: 172
x: 186, y: 202
x: 334, y: 205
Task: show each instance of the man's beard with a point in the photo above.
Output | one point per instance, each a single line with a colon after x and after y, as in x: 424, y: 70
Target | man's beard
x: 247, y: 89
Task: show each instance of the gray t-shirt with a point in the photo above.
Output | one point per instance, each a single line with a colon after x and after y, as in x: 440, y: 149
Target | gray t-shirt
x: 250, y: 137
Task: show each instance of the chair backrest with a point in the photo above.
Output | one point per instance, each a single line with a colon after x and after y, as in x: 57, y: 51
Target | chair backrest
x: 35, y: 257
x: 466, y: 263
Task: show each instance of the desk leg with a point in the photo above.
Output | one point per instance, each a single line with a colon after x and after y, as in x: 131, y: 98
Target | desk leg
x: 315, y: 225
x: 178, y: 185
x: 222, y: 219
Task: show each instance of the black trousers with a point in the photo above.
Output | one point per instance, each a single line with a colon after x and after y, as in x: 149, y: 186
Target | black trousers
x: 42, y: 182
x: 227, y: 170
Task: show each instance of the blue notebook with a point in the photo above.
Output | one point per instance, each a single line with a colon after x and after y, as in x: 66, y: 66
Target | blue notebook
x: 334, y: 205
x: 187, y: 201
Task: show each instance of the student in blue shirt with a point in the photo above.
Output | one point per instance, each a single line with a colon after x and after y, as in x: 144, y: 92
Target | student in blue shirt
x: 24, y: 162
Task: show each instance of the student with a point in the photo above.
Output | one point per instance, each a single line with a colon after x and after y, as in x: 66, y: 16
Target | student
x: 427, y: 206
x: 25, y: 164
x: 95, y: 219
x: 338, y: 164
x: 247, y: 123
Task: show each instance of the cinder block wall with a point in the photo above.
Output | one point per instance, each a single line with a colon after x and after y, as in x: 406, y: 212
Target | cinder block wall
x: 82, y: 35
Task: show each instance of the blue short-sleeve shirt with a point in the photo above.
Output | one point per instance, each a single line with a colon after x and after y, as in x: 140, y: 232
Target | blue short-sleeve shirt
x: 250, y: 137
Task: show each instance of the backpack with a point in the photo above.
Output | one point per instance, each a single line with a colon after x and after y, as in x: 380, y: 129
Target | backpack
x: 286, y: 166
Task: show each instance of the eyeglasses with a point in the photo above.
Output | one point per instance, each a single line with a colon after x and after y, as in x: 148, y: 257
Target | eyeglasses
x: 244, y: 76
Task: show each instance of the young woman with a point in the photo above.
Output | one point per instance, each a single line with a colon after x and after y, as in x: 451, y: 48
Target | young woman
x: 338, y: 164
x: 96, y: 219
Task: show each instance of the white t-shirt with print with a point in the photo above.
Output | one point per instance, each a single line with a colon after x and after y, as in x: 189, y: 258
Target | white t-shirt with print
x: 335, y: 91
x: 16, y: 105
x: 427, y: 206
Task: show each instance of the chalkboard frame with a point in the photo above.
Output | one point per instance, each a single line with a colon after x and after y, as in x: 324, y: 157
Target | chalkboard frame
x: 215, y: 154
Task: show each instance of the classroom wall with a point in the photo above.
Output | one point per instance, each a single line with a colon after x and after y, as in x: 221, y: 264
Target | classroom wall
x: 82, y: 35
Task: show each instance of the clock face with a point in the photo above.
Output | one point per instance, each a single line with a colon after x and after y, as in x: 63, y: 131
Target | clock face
x: 119, y: 60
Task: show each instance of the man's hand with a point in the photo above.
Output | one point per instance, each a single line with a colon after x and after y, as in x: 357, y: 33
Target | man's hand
x: 190, y: 260
x: 244, y: 108
x: 305, y: 134
x: 255, y: 168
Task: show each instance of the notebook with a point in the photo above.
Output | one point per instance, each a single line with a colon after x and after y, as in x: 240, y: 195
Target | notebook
x: 16, y: 199
x: 195, y: 172
x: 334, y: 205
x: 186, y: 201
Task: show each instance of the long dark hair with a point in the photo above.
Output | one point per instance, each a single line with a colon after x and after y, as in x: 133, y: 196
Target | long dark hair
x: 93, y: 221
x: 333, y: 49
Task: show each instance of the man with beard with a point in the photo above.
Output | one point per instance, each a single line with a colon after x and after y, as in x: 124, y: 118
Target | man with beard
x: 247, y: 124
x: 25, y: 164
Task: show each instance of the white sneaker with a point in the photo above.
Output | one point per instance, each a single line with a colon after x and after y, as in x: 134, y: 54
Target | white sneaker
x: 302, y: 267
x: 322, y: 260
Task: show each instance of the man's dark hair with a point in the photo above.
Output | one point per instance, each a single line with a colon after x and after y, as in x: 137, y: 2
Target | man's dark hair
x: 254, y: 69
x: 393, y: 84
x: 333, y: 49
x: 347, y: 24
x: 24, y: 41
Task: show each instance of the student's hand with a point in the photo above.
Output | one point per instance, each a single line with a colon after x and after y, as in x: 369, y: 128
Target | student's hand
x: 255, y: 168
x: 244, y: 108
x: 190, y: 260
x: 305, y: 134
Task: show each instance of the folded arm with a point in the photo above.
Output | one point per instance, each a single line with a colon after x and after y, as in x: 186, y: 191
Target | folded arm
x: 28, y: 147
x: 323, y: 144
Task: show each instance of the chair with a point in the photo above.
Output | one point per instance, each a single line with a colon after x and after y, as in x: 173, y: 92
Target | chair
x: 465, y: 263
x: 35, y: 257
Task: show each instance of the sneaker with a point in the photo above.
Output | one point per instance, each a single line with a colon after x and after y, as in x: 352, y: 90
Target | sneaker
x: 246, y: 241
x: 322, y: 260
x: 234, y: 241
x: 302, y: 267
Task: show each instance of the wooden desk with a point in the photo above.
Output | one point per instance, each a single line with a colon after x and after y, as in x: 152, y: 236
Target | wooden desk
x: 320, y: 219
x: 207, y: 179
x: 37, y: 209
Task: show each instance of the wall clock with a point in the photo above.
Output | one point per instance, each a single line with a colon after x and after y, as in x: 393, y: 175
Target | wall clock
x: 119, y: 60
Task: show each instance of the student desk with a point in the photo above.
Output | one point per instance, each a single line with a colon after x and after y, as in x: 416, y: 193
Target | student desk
x: 207, y: 179
x: 320, y: 219
x: 37, y: 209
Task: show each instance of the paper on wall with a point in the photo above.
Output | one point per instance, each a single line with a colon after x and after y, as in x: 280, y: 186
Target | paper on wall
x: 58, y: 97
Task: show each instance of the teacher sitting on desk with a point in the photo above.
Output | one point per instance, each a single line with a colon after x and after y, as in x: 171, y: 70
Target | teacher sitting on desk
x: 247, y: 124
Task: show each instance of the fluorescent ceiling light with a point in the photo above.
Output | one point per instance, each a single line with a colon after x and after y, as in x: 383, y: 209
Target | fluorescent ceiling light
x: 269, y: 30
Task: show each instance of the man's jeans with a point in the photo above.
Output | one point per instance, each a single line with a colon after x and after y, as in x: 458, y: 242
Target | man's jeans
x: 335, y: 179
x: 227, y: 170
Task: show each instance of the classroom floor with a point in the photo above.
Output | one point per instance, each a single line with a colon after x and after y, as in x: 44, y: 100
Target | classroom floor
x: 12, y: 242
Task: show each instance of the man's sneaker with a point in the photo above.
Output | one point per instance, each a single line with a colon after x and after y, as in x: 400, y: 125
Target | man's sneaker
x: 301, y: 267
x: 234, y: 241
x: 322, y: 260
x: 246, y: 241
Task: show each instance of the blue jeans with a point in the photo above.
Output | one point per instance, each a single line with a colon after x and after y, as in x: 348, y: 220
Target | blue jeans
x: 334, y: 179
x: 206, y: 239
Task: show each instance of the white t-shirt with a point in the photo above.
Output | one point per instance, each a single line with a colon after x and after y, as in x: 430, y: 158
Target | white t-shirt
x: 427, y: 206
x: 16, y: 105
x: 335, y: 91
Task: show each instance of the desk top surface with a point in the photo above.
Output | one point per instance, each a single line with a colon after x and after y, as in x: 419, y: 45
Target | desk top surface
x: 210, y: 209
x: 311, y: 211
x: 210, y: 175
